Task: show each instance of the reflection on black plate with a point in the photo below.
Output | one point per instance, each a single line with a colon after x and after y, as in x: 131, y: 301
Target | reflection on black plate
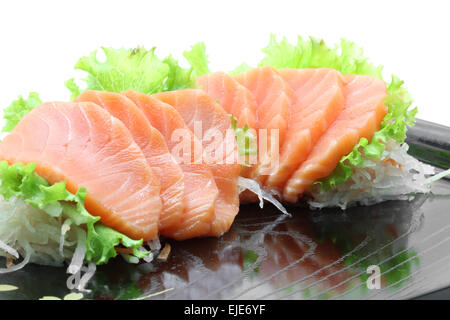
x: 312, y: 255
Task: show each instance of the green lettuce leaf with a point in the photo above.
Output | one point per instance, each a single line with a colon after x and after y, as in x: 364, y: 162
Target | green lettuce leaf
x: 183, y: 78
x: 123, y: 69
x: 73, y: 87
x: 18, y: 108
x: 140, y: 70
x: 178, y: 77
x: 198, y: 59
x: 100, y: 253
x: 347, y: 58
x: 21, y: 181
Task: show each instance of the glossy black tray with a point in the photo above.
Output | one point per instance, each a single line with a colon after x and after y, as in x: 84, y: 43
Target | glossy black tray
x: 313, y: 255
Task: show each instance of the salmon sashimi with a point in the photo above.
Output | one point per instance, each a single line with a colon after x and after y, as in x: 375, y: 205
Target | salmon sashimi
x: 154, y: 148
x: 231, y: 95
x: 361, y: 118
x: 212, y: 125
x: 236, y: 100
x: 273, y: 98
x: 200, y: 190
x: 84, y: 145
x: 319, y: 98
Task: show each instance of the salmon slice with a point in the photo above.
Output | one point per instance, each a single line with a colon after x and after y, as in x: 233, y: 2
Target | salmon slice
x: 154, y: 148
x: 231, y: 95
x: 200, y: 190
x: 319, y: 98
x: 236, y: 100
x: 212, y: 125
x: 361, y: 117
x: 273, y: 98
x: 84, y: 145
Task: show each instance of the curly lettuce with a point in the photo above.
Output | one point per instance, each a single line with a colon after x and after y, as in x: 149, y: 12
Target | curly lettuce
x: 347, y: 58
x: 198, y: 59
x: 123, y: 69
x: 22, y: 182
x: 140, y: 70
x: 17, y: 109
x: 178, y: 77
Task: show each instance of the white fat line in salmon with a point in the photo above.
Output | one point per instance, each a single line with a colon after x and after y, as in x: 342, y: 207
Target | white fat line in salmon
x: 213, y: 147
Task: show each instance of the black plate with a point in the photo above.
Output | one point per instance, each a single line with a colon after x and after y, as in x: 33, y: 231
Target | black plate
x: 313, y: 255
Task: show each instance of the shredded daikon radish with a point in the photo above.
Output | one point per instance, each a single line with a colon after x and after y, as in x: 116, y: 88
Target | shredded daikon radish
x: 22, y: 225
x: 438, y: 176
x: 253, y: 186
x: 155, y: 245
x: 395, y: 176
x: 79, y: 254
x: 65, y: 227
x: 18, y: 266
x: 129, y: 258
x: 149, y: 258
x: 39, y: 238
x: 8, y: 249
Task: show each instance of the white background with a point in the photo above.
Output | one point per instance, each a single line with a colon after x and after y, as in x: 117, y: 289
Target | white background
x: 41, y: 40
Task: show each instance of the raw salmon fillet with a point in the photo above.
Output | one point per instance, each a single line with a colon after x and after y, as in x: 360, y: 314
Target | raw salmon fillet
x: 200, y: 190
x: 154, y: 148
x: 319, y: 98
x: 85, y: 146
x: 219, y: 148
x: 236, y: 100
x: 361, y: 117
x: 273, y: 98
x: 231, y: 95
